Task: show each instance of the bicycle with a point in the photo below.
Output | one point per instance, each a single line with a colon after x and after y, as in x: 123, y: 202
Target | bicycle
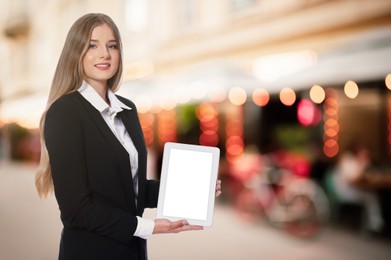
x: 296, y: 204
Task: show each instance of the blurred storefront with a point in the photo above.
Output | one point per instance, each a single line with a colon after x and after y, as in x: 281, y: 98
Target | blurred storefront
x: 270, y: 82
x: 216, y: 73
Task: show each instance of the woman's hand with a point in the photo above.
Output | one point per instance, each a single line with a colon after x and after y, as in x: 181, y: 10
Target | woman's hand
x: 218, y: 188
x: 165, y: 226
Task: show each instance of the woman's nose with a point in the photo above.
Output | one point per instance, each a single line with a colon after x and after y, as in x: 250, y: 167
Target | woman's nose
x: 105, y: 53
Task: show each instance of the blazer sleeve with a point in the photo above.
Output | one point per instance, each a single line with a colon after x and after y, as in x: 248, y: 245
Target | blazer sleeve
x: 152, y: 193
x: 63, y: 133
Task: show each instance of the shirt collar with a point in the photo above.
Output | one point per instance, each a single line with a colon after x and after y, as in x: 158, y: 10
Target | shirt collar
x: 90, y: 94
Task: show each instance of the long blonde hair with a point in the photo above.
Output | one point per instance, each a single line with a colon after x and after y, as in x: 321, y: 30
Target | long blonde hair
x: 68, y: 77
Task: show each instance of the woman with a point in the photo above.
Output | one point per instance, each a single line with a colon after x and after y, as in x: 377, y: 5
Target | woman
x: 93, y: 151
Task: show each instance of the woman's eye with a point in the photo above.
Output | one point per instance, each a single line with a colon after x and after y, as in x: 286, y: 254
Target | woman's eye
x: 113, y: 46
x: 92, y: 46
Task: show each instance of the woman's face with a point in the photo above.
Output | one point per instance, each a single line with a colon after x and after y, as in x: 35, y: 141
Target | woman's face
x: 101, y: 60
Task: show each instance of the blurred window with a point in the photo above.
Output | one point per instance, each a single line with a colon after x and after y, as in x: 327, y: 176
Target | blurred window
x: 238, y: 5
x: 187, y: 11
x: 137, y: 15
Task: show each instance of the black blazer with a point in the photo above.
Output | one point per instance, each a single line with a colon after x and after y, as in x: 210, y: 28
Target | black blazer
x: 93, y: 181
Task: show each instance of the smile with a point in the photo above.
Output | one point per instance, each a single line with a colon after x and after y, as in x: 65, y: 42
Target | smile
x: 103, y: 66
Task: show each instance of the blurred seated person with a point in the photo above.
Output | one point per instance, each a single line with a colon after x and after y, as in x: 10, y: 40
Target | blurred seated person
x: 352, y: 185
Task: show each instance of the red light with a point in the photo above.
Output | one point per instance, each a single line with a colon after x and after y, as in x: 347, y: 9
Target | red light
x: 307, y: 113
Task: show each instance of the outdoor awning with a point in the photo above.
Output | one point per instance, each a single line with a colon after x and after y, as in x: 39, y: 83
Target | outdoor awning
x: 366, y: 58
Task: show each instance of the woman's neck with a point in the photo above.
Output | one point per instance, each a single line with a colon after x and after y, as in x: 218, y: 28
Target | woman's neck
x: 101, y: 89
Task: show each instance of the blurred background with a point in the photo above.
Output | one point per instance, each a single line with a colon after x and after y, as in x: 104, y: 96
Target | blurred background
x: 295, y: 93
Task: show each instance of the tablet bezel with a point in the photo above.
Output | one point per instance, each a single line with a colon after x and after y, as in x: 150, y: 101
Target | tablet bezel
x: 168, y: 147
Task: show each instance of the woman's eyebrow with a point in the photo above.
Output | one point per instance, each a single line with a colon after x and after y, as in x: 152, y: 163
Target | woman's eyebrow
x: 93, y: 40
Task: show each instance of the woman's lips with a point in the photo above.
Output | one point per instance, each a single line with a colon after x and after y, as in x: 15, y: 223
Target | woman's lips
x: 103, y: 66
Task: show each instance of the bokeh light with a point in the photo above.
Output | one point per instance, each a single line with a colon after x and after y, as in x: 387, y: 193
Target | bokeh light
x: 388, y: 81
x: 307, y: 113
x: 237, y: 96
x: 261, y: 97
x: 331, y: 148
x: 317, y: 94
x: 166, y: 126
x: 331, y: 124
x: 209, y: 124
x: 351, y: 89
x: 287, y: 96
x: 234, y: 143
x: 147, y: 124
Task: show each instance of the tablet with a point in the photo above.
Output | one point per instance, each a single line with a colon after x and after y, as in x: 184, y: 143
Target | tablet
x: 188, y: 183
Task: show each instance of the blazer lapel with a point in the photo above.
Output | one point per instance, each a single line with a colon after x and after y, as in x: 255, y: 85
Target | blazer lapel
x: 122, y: 154
x: 130, y: 121
x: 132, y: 125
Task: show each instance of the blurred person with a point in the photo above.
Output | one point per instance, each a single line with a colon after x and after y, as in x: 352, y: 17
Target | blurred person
x: 349, y: 180
x: 93, y: 152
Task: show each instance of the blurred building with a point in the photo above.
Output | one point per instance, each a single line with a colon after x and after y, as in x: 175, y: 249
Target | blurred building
x: 222, y: 54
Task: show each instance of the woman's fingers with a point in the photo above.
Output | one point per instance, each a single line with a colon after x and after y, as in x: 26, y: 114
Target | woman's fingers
x: 218, y: 188
x: 163, y: 226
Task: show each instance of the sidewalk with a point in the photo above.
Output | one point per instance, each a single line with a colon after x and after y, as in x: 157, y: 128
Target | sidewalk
x: 29, y: 227
x: 232, y: 239
x: 30, y: 230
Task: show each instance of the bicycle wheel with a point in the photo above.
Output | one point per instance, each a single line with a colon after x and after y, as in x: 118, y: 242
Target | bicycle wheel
x: 246, y: 205
x: 302, y: 219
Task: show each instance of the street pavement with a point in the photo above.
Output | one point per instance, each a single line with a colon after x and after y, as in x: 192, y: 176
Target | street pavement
x: 30, y: 230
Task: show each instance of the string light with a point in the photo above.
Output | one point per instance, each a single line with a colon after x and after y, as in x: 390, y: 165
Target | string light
x: 287, y: 96
x: 351, y: 89
x: 388, y: 81
x: 237, y: 96
x: 209, y: 124
x: 166, y: 126
x: 261, y: 97
x: 234, y: 143
x: 331, y: 124
x: 147, y: 121
x: 317, y: 94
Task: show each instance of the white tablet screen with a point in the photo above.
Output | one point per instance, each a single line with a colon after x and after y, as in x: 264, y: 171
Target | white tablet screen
x: 188, y: 182
x: 187, y: 187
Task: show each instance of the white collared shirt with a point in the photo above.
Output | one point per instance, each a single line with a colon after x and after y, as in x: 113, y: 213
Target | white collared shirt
x: 145, y: 226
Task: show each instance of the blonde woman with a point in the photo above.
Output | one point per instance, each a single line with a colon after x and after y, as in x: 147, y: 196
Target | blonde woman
x: 93, y: 151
